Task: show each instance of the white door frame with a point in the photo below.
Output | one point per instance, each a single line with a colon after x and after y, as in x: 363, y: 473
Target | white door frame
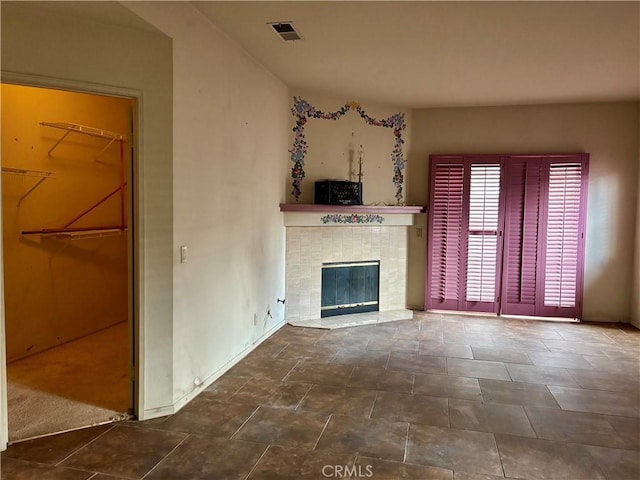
x: 135, y: 239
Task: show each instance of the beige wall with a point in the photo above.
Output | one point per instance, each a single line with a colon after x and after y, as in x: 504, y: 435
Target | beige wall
x: 608, y: 131
x: 334, y: 145
x: 46, y: 48
x: 59, y: 289
x: 231, y: 124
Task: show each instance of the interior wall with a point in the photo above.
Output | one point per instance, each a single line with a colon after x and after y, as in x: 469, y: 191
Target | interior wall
x: 231, y: 123
x: 60, y: 289
x: 43, y: 47
x: 607, y: 131
x: 334, y: 149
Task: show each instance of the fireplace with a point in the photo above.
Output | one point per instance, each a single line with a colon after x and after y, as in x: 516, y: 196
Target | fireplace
x: 349, y: 287
x: 319, y: 237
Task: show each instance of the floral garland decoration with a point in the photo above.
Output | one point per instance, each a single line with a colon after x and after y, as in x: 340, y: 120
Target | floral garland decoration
x: 353, y: 218
x: 303, y: 110
x: 398, y: 124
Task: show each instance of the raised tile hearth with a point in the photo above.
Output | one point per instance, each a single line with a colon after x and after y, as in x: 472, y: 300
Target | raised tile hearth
x: 355, y: 319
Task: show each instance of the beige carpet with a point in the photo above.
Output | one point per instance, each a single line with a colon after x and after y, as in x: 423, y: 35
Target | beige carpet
x: 77, y: 384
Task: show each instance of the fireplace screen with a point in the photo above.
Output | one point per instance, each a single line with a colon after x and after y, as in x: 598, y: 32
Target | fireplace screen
x: 350, y: 287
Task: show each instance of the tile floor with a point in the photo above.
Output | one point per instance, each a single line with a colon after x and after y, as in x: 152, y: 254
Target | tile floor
x: 438, y: 397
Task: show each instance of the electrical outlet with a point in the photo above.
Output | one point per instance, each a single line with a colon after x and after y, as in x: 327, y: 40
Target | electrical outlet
x: 183, y: 254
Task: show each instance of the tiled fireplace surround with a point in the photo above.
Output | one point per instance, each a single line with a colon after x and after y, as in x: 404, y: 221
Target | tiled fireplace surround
x: 315, y: 235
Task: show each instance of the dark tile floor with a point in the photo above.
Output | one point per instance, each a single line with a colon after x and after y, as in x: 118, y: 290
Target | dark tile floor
x: 440, y: 397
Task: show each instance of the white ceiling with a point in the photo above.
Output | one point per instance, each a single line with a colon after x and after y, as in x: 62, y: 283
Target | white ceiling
x: 427, y: 54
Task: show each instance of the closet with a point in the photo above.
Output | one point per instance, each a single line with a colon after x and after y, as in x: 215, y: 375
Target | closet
x: 67, y: 258
x: 506, y: 234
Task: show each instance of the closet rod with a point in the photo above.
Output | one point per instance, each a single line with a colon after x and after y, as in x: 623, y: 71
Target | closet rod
x: 49, y: 231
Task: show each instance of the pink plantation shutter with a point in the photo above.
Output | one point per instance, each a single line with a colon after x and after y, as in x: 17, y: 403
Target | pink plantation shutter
x: 482, y: 240
x: 446, y: 233
x: 563, y: 239
x: 539, y: 202
x: 523, y: 186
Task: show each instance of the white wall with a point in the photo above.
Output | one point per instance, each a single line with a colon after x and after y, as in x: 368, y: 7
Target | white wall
x: 231, y: 128
x: 42, y: 47
x: 608, y: 131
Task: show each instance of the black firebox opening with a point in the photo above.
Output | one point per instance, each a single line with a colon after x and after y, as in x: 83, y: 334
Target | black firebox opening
x: 350, y: 287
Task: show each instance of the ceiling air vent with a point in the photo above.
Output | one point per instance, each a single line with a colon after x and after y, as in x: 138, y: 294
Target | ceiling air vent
x: 285, y: 30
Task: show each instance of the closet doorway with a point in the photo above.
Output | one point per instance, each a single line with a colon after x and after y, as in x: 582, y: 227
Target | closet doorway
x: 67, y: 252
x: 506, y: 234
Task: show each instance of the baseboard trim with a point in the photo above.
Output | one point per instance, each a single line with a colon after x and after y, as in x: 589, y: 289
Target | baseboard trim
x: 185, y: 399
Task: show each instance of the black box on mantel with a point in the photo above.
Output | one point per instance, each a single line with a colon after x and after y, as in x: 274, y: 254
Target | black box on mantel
x: 338, y: 192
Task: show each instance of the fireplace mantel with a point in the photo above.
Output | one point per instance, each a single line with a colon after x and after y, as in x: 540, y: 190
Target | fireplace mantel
x: 306, y: 215
x: 379, y: 209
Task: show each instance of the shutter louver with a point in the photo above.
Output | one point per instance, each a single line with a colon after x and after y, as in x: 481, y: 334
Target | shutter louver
x: 446, y: 215
x: 562, y: 235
